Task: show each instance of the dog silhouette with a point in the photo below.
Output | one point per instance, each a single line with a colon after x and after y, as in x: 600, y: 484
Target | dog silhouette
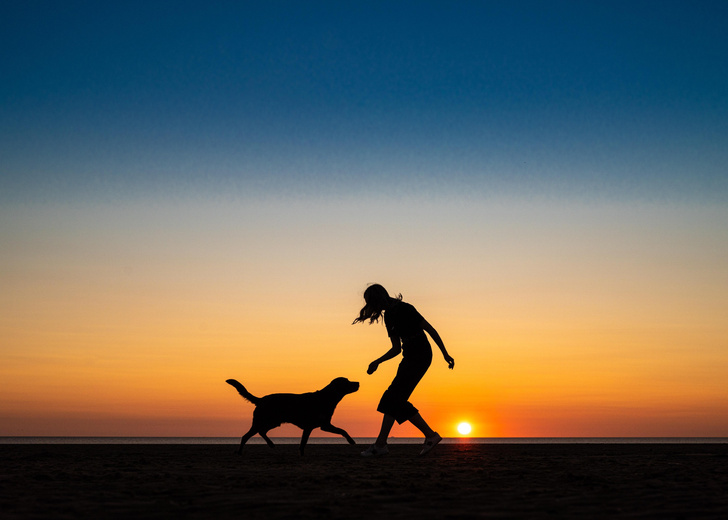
x: 307, y: 411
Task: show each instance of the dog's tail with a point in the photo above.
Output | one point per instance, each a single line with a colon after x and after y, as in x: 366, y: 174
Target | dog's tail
x: 242, y: 391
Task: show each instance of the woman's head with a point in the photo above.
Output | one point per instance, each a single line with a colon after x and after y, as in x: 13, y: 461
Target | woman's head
x: 376, y: 300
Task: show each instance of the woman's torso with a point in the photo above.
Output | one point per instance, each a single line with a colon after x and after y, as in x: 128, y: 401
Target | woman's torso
x: 403, y: 321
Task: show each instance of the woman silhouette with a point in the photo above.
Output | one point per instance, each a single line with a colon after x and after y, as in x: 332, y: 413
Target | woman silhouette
x: 406, y: 328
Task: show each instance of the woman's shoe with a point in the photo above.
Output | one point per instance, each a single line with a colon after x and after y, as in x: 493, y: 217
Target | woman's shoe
x: 375, y: 451
x: 430, y: 442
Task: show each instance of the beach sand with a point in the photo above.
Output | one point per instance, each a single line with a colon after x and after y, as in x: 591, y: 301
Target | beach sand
x: 333, y: 481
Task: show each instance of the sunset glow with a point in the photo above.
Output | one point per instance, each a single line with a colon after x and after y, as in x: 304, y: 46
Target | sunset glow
x: 187, y: 197
x: 464, y: 428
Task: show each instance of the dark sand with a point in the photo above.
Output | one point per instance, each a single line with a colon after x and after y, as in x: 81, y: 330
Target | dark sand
x: 665, y: 481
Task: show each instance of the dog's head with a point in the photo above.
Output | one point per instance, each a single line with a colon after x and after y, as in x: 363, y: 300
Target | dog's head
x: 344, y: 386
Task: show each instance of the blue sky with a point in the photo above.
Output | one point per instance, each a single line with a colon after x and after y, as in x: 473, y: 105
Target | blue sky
x: 611, y: 99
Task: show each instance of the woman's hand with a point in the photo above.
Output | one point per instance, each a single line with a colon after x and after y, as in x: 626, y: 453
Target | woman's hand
x: 450, y: 361
x: 391, y: 353
x: 372, y: 367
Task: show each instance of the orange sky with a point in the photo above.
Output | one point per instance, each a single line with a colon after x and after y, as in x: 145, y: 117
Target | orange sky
x: 564, y: 320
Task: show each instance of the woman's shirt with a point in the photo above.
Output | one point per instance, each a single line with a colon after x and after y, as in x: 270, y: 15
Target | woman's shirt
x: 402, y: 320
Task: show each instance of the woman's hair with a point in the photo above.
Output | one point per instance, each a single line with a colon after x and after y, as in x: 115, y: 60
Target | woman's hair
x: 376, y: 298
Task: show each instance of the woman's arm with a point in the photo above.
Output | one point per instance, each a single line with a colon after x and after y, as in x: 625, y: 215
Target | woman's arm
x: 391, y: 353
x: 438, y: 340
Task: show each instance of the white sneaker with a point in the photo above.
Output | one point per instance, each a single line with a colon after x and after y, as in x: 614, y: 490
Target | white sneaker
x: 375, y: 451
x: 430, y: 442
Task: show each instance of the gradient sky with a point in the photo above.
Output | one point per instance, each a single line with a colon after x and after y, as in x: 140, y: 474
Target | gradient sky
x: 194, y: 192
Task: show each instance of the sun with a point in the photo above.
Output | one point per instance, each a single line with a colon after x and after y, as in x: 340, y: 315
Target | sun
x: 464, y: 428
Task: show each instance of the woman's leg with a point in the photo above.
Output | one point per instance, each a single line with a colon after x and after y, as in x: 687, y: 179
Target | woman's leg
x: 387, y: 423
x: 421, y: 425
x: 432, y: 438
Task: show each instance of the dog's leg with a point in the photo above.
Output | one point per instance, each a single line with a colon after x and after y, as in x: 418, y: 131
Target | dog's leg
x: 304, y: 439
x: 252, y: 431
x: 333, y: 429
x: 265, y: 437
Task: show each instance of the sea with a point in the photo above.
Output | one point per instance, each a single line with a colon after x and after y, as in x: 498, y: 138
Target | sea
x: 365, y: 440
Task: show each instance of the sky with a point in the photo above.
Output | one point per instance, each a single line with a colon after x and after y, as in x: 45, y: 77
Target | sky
x: 193, y: 192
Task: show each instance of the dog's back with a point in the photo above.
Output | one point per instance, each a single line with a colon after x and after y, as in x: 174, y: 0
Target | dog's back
x: 302, y: 410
